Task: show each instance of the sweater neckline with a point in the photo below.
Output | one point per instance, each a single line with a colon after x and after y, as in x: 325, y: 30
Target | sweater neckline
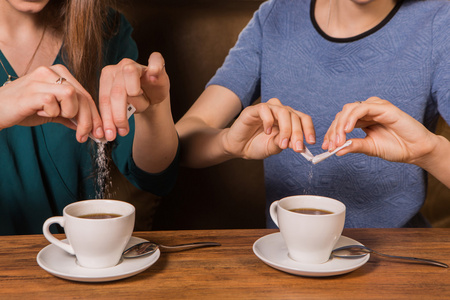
x: 356, y: 37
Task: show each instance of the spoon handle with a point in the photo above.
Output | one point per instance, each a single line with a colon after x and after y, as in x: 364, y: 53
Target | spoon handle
x: 186, y: 246
x: 415, y: 259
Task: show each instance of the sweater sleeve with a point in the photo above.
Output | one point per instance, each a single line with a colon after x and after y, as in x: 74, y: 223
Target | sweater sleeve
x: 241, y: 71
x: 441, y: 61
x: 122, y: 46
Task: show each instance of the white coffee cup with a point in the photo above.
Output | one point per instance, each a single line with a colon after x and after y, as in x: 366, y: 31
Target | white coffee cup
x: 309, y: 238
x: 96, y: 243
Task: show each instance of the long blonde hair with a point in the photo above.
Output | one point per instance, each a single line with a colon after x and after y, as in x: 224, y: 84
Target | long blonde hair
x: 84, y: 24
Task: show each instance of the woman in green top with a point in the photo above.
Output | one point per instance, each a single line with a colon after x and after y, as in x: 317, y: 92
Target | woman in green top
x: 47, y: 162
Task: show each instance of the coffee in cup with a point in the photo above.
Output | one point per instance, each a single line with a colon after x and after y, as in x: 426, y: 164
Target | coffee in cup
x: 310, y: 226
x: 97, y: 231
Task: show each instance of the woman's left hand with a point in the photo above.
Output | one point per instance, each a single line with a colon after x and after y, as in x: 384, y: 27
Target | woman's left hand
x: 391, y: 133
x: 130, y: 83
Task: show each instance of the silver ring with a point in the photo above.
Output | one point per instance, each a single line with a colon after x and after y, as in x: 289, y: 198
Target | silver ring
x: 60, y: 80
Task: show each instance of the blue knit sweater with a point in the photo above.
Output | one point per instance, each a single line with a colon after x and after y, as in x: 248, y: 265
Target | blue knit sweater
x: 282, y: 53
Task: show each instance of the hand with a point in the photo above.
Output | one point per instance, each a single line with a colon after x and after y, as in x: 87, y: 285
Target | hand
x: 391, y: 133
x: 268, y: 128
x: 36, y: 99
x: 130, y: 82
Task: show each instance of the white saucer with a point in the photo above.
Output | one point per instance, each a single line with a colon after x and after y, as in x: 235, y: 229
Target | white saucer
x: 62, y: 264
x: 272, y: 250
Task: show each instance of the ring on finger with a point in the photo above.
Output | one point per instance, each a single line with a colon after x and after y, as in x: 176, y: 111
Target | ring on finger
x: 60, y: 80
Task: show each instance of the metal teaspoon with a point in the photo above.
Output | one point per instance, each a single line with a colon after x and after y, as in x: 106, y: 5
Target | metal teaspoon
x: 358, y: 251
x: 146, y: 248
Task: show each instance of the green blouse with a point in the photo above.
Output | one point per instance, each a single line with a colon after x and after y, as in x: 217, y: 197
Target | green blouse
x: 44, y: 168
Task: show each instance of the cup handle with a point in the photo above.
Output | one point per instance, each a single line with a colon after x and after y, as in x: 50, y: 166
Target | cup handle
x: 273, y: 212
x: 49, y: 236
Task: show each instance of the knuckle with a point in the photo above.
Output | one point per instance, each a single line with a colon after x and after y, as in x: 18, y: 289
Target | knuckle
x: 125, y: 61
x: 274, y: 101
x: 69, y: 91
x: 118, y: 91
x: 107, y: 70
x: 47, y: 98
x: 43, y: 71
x: 348, y: 106
x: 130, y: 68
x: 121, y: 121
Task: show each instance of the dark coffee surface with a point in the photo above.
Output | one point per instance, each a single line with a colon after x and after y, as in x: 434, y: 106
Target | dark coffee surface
x: 100, y: 216
x: 311, y: 211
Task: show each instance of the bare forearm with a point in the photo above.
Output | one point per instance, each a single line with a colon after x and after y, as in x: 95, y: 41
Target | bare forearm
x: 155, y: 142
x: 437, y: 162
x: 201, y: 145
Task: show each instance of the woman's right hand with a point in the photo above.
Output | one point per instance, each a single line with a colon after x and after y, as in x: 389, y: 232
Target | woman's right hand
x: 37, y: 99
x: 391, y: 133
x: 266, y: 129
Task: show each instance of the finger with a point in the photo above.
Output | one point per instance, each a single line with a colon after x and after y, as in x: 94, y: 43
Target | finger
x: 329, y: 135
x: 119, y: 104
x: 297, y: 134
x: 45, y: 85
x: 275, y: 101
x: 132, y: 73
x: 83, y: 121
x: 47, y: 105
x: 82, y: 95
x: 265, y: 114
x: 343, y: 123
x: 358, y: 146
x: 155, y: 81
x: 307, y: 127
x: 283, y: 118
x: 106, y: 83
x: 63, y: 98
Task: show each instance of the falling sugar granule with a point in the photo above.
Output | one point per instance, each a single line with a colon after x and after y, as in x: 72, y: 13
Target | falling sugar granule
x: 103, y: 179
x: 307, y: 191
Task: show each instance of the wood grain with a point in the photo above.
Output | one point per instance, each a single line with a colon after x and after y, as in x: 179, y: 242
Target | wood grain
x: 232, y: 271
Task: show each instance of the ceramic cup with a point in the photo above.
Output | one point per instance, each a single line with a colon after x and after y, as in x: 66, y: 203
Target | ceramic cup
x: 309, y: 238
x: 96, y: 243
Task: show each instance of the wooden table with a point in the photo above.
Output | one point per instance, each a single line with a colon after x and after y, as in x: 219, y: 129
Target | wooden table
x: 232, y: 271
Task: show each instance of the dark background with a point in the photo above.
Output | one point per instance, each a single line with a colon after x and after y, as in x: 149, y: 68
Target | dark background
x: 194, y: 36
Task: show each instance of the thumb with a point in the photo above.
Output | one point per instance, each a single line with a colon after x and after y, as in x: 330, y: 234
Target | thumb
x: 357, y: 146
x: 155, y: 82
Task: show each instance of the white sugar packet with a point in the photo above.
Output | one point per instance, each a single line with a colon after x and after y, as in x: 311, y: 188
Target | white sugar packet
x: 130, y: 110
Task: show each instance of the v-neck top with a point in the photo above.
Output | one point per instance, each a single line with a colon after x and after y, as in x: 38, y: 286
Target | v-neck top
x: 44, y: 168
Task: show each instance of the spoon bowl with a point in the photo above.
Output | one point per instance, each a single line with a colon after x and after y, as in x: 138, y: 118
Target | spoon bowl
x: 146, y: 248
x: 358, y: 251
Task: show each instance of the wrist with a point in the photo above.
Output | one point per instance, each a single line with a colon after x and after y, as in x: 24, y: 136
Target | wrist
x: 228, y: 150
x: 438, y: 150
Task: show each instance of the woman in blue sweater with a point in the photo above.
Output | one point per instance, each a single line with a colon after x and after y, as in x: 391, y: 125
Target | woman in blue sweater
x: 306, y: 60
x: 52, y: 55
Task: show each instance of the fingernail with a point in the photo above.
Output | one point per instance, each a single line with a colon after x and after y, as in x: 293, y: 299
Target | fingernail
x: 284, y: 144
x: 269, y: 130
x: 84, y: 138
x: 312, y: 139
x: 347, y: 126
x: 123, y: 132
x: 109, y: 134
x: 330, y: 146
x: 298, y: 146
x: 99, y: 132
x: 338, y: 138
